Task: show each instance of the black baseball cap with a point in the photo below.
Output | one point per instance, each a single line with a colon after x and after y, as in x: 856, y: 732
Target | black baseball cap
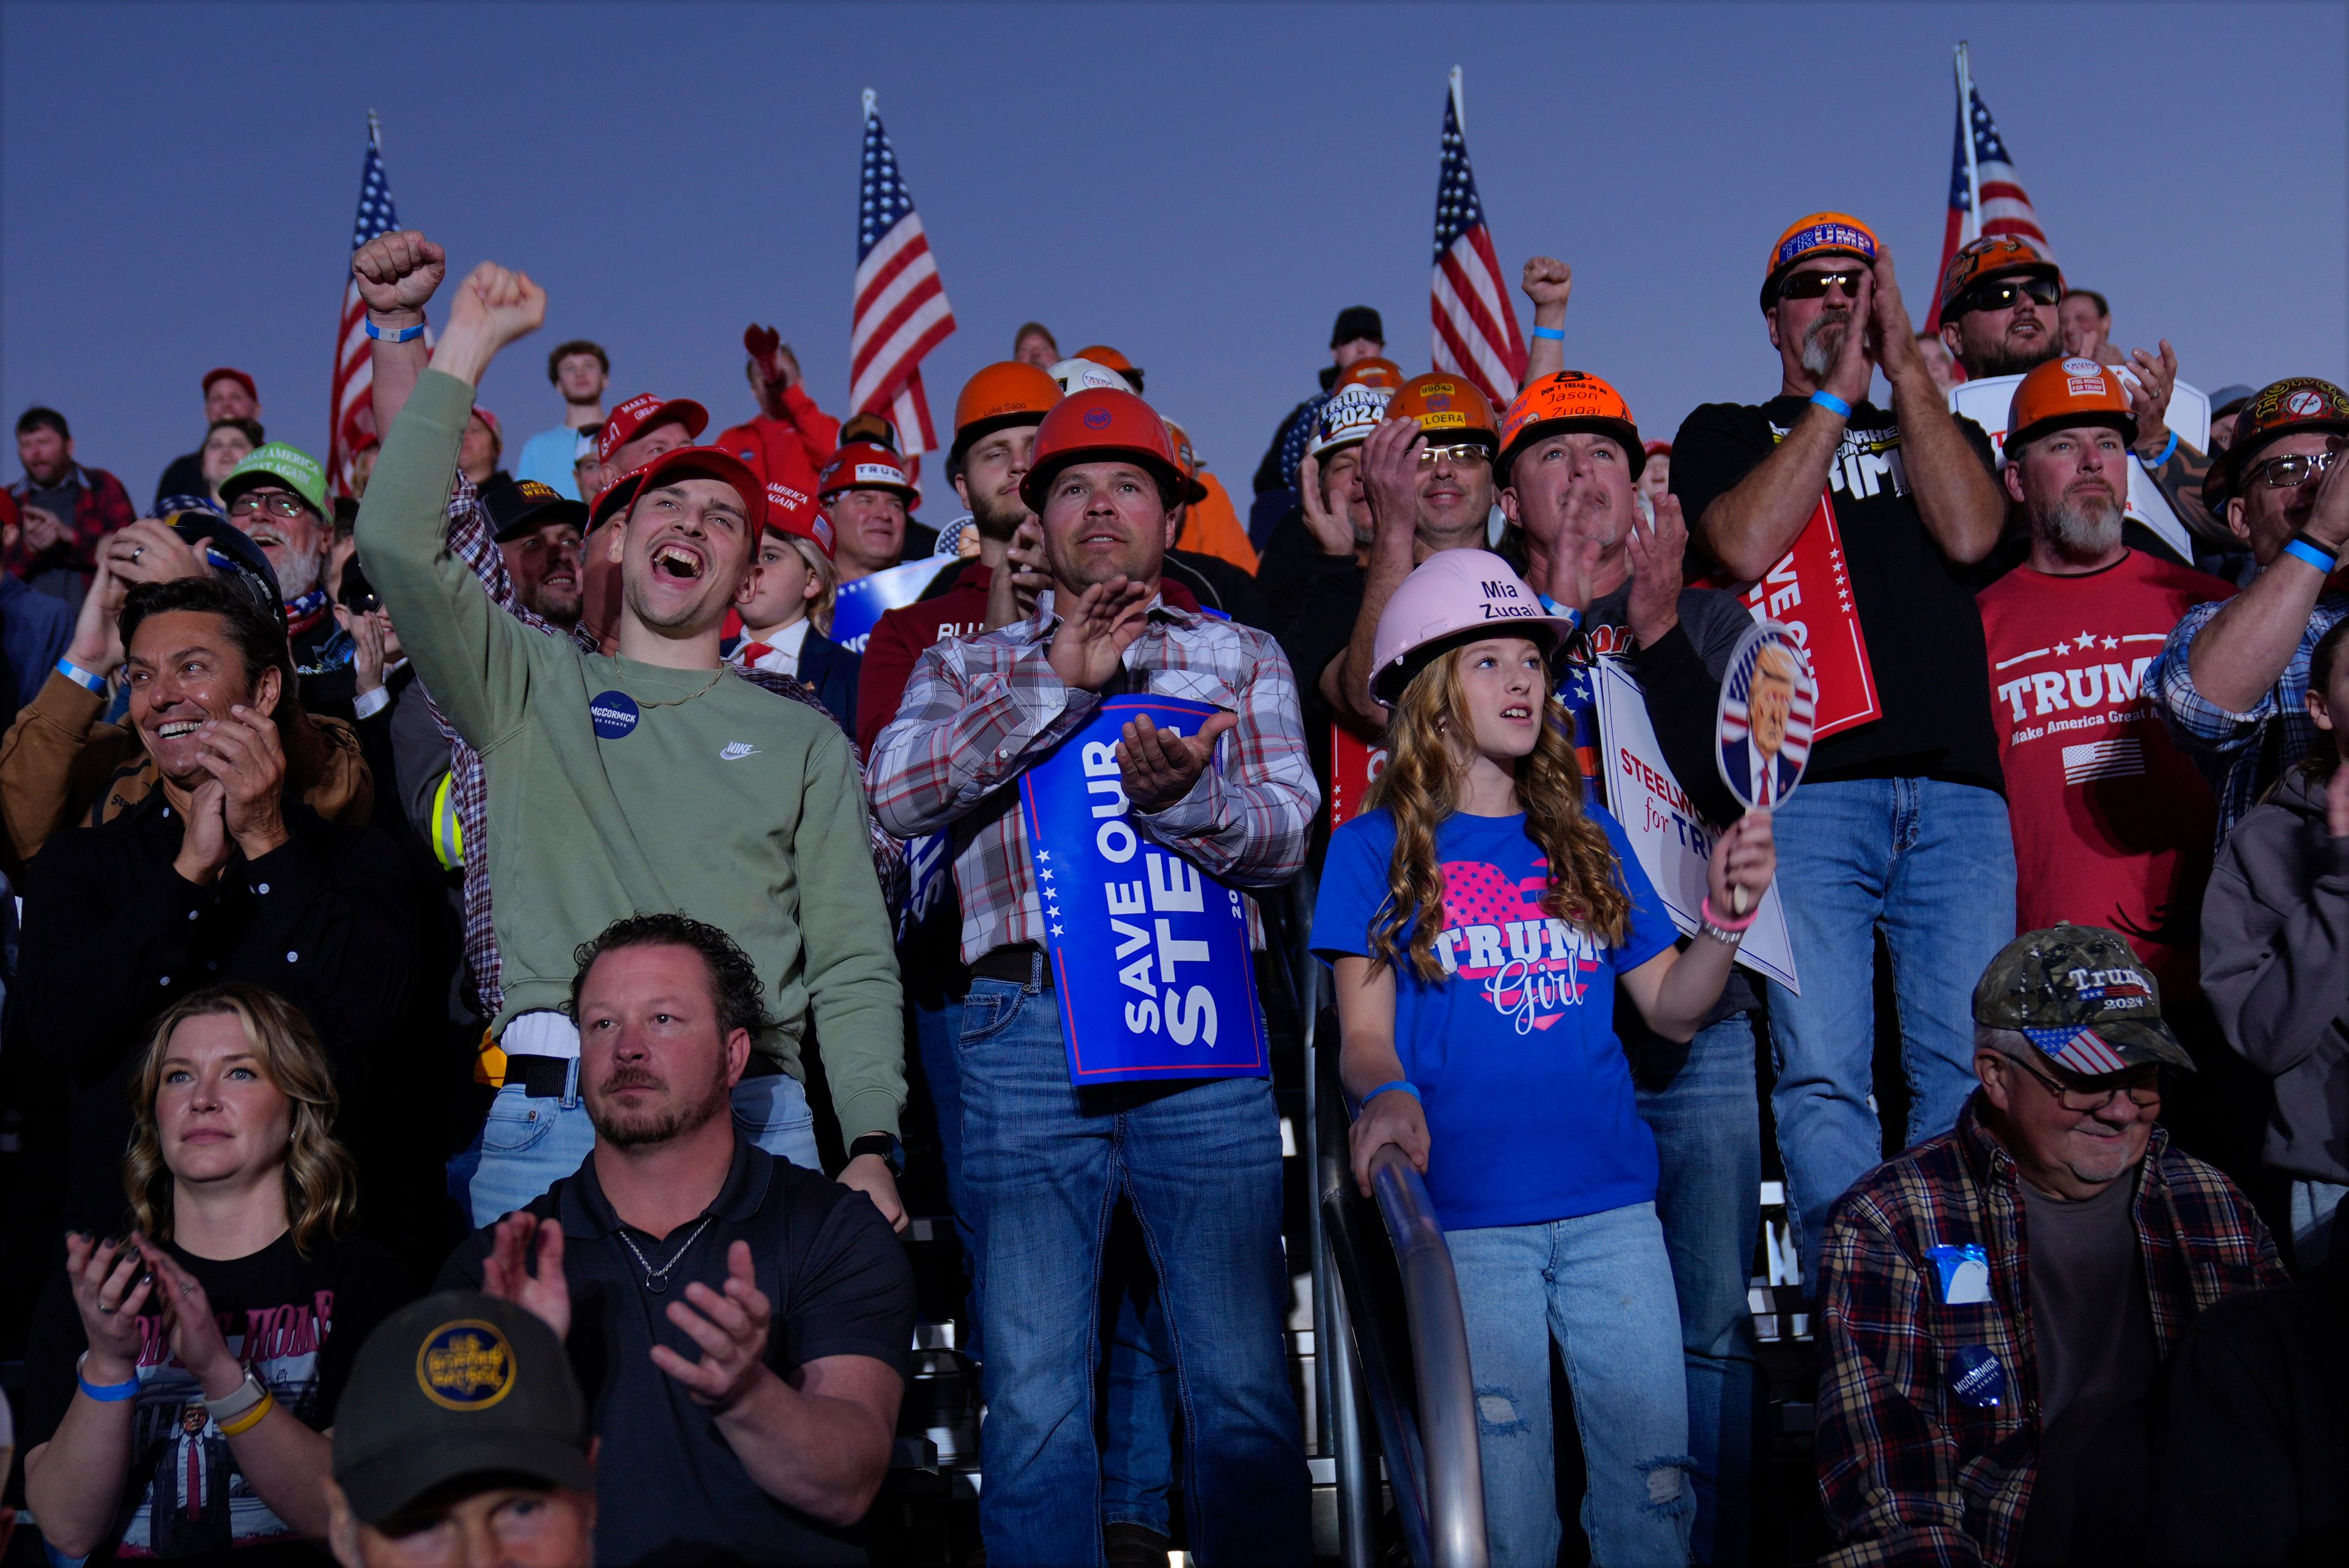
x: 459, y: 1384
x: 1357, y: 321
x: 231, y: 555
x: 517, y: 507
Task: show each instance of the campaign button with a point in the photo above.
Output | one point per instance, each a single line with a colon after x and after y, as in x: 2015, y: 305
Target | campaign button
x: 613, y: 714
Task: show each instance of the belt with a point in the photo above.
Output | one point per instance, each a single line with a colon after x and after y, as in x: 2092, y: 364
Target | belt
x: 1014, y: 961
x: 544, y: 1077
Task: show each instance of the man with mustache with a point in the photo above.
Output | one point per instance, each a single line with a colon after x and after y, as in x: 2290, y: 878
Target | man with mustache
x: 741, y: 1325
x: 1900, y: 826
x: 277, y: 498
x: 695, y: 790
x: 2232, y: 681
x: 2112, y: 823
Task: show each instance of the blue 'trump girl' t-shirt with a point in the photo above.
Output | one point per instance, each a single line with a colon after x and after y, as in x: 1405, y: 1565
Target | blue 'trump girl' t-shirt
x: 1530, y: 1115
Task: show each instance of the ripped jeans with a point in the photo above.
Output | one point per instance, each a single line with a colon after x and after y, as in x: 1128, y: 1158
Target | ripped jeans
x: 1602, y: 1285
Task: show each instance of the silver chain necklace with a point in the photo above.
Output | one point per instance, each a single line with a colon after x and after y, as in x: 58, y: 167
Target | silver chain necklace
x: 656, y: 1279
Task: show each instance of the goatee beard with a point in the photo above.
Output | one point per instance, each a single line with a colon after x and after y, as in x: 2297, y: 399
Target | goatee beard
x: 1822, y: 341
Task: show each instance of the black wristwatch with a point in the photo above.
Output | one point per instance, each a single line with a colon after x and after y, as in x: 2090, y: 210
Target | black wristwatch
x: 885, y: 1144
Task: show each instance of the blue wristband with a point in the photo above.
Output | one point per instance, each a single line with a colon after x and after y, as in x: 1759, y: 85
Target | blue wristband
x: 1832, y: 404
x: 1556, y: 334
x: 1554, y: 608
x: 2168, y: 452
x: 1405, y: 1085
x: 105, y: 1393
x: 81, y: 677
x: 2312, y: 554
x: 402, y: 335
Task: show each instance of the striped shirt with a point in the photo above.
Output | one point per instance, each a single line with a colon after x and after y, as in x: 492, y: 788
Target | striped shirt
x: 980, y: 711
x: 474, y: 540
x: 2241, y: 753
x: 1909, y: 1473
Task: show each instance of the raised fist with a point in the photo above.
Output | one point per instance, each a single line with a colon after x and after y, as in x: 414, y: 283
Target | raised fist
x: 399, y: 271
x: 1548, y: 280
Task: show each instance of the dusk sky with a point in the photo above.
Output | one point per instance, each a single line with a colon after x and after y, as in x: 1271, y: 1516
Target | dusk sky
x: 1202, y: 186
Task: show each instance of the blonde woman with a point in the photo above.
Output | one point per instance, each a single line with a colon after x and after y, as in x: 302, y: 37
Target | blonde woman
x: 182, y: 1379
x: 1480, y: 918
x: 786, y: 605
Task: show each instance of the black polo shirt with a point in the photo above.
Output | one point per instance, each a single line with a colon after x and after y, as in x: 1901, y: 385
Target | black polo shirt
x: 667, y: 1486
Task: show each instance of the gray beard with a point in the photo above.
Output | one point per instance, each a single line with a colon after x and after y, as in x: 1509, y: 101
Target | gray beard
x: 2079, y: 531
x: 1822, y: 341
x: 299, y: 577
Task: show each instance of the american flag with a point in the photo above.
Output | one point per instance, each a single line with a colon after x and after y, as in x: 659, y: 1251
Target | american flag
x: 353, y: 415
x: 2005, y: 206
x: 901, y: 306
x: 1476, y: 328
x: 2079, y: 1048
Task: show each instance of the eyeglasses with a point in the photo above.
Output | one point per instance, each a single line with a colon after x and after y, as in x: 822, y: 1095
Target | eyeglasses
x: 2002, y: 293
x: 279, y: 502
x: 1812, y: 285
x: 2294, y: 469
x: 1460, y: 454
x: 2143, y: 1090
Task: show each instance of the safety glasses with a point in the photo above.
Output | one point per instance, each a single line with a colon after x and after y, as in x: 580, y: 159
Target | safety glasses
x: 1460, y: 454
x: 2000, y: 293
x: 2293, y: 470
x: 1815, y: 286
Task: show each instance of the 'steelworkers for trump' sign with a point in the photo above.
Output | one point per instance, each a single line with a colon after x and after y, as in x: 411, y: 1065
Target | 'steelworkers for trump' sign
x: 1675, y: 844
x: 1149, y: 953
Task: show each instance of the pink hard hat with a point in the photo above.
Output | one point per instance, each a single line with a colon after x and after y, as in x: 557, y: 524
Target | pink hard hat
x: 1455, y: 596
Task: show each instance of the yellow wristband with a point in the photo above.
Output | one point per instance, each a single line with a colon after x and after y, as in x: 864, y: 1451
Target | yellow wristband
x: 249, y: 1419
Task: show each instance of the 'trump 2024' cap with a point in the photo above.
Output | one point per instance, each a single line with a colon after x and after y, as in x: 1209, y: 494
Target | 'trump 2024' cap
x: 2081, y: 999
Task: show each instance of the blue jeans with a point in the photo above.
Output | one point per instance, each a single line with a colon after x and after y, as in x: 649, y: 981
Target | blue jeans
x: 1044, y: 1163
x: 1708, y: 1128
x: 1932, y: 865
x: 1138, y: 1403
x: 527, y: 1145
x: 1602, y: 1285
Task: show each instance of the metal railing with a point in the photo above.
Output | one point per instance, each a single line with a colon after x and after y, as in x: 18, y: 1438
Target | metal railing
x: 1395, y: 1341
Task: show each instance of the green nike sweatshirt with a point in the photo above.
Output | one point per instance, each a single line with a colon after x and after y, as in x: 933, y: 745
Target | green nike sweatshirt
x: 617, y: 787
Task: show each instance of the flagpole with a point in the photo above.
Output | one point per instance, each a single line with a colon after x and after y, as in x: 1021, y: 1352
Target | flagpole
x: 872, y: 99
x: 1459, y: 103
x: 1966, y: 135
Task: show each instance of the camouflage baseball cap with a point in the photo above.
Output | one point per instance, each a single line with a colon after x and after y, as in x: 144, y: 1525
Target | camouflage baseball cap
x: 2081, y: 999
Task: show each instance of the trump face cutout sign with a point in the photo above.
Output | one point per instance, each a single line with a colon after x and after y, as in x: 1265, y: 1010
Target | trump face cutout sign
x: 1763, y: 729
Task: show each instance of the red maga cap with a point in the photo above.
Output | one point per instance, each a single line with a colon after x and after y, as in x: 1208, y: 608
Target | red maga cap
x: 641, y: 413
x: 710, y: 463
x: 232, y: 374
x: 794, y: 511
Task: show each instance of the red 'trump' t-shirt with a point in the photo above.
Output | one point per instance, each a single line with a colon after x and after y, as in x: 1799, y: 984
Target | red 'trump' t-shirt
x: 2113, y: 824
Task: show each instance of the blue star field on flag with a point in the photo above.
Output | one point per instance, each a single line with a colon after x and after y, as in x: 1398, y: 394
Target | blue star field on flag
x: 1457, y: 209
x: 884, y: 199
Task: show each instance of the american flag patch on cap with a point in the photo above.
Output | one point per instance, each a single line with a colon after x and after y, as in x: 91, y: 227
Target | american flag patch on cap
x: 2077, y: 1048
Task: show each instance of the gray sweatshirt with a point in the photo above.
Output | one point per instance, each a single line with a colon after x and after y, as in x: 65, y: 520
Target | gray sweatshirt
x: 2275, y: 964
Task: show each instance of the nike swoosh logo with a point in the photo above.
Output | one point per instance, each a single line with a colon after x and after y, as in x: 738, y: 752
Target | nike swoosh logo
x: 738, y: 749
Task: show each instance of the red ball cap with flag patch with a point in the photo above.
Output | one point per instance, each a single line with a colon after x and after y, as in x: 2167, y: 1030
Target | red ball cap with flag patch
x: 644, y: 411
x: 1818, y: 234
x: 2280, y: 408
x: 794, y: 511
x: 703, y: 463
x: 2063, y: 393
x: 861, y: 465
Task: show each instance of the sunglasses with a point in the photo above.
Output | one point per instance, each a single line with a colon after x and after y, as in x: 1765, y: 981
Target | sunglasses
x: 1813, y: 285
x: 1461, y: 454
x: 2002, y: 293
x: 2293, y: 469
x: 2144, y: 1089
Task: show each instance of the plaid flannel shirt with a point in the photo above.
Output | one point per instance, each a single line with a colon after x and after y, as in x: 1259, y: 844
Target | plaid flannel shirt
x: 979, y: 711
x: 2241, y: 753
x: 473, y: 540
x: 1909, y: 1473
x: 102, y: 508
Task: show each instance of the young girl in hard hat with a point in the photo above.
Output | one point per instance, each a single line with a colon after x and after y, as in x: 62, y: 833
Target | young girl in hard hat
x: 1479, y: 917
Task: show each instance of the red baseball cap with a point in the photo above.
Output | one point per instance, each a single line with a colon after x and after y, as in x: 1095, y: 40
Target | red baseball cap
x: 642, y: 412
x: 706, y: 463
x: 239, y: 377
x: 497, y: 431
x: 794, y: 511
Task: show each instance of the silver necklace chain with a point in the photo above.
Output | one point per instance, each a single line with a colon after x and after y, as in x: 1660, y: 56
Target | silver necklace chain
x: 656, y: 1279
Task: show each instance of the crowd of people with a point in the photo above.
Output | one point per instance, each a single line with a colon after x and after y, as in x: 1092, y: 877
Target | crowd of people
x: 536, y: 885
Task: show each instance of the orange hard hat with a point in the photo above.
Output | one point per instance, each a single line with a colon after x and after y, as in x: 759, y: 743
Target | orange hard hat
x: 1449, y: 407
x: 1093, y: 426
x: 1186, y: 457
x: 1370, y: 371
x: 1569, y: 400
x: 2065, y: 392
x: 1102, y: 354
x: 1993, y: 256
x: 999, y: 397
x: 1817, y: 234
